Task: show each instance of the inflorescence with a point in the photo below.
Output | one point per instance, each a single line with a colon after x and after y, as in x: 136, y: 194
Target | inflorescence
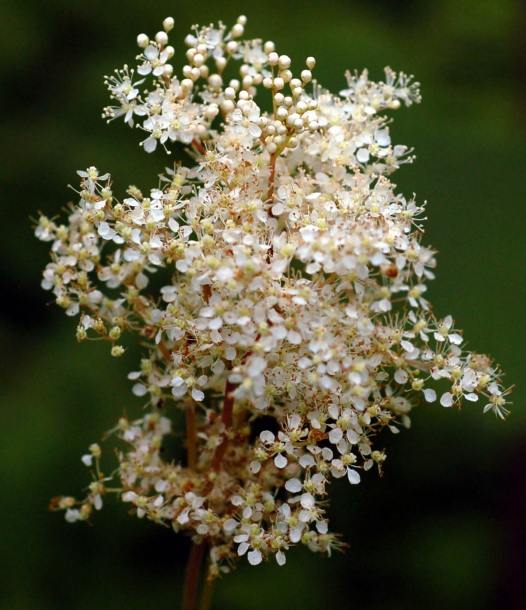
x: 294, y: 289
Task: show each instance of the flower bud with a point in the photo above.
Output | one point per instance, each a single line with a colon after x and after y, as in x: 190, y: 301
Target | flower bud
x: 168, y: 24
x: 143, y: 41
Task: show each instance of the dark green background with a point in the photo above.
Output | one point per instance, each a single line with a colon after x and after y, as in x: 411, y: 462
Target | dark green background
x: 446, y: 526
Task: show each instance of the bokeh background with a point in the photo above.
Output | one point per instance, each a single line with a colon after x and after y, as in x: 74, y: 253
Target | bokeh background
x: 446, y: 525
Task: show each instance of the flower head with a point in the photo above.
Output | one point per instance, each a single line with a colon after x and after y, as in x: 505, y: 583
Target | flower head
x: 290, y: 324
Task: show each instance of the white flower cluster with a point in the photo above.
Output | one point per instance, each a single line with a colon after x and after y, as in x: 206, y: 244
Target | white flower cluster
x: 291, y: 325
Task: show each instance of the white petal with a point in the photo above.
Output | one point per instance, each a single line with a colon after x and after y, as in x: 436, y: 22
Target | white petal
x: 295, y: 534
x: 139, y: 389
x: 177, y: 381
x: 307, y: 501
x: 335, y: 436
x: 334, y: 411
x: 352, y: 437
x: 237, y: 500
x: 327, y: 454
x: 280, y: 558
x: 430, y: 395
x: 293, y: 485
x: 161, y: 485
x: 362, y: 155
x: 280, y: 461
x: 173, y: 224
x: 322, y: 527
x: 179, y: 391
x: 131, y: 255
x: 87, y: 459
x: 294, y: 420
x: 197, y: 395
x: 255, y: 466
x: 407, y: 345
x: 354, y: 477
x: 151, y: 52
x: 446, y: 400
x: 255, y: 130
x: 243, y: 548
x: 255, y: 557
x: 150, y: 144
x: 72, y: 515
x: 295, y: 338
x: 307, y: 461
x: 216, y: 324
x: 230, y: 353
x: 285, y: 510
x: 401, y: 376
x: 72, y: 310
x: 230, y: 525
x: 267, y: 437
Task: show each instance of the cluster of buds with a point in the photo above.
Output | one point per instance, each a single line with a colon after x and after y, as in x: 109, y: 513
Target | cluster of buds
x: 290, y: 325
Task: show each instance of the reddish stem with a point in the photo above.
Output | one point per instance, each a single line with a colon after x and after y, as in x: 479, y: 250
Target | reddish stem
x: 271, y: 180
x: 226, y: 418
x: 191, y: 436
x: 198, y: 146
x: 191, y: 579
x: 164, y: 350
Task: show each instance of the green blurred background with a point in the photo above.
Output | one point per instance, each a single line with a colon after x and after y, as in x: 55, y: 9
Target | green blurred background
x: 446, y: 526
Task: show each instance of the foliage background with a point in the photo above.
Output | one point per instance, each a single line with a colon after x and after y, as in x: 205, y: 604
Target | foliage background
x: 445, y: 527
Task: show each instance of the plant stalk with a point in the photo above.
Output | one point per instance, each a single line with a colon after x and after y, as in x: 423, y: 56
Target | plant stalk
x: 192, y: 574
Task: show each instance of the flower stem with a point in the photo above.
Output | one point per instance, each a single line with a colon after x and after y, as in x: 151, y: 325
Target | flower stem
x: 271, y: 180
x: 228, y: 408
x: 191, y: 437
x: 191, y: 579
x: 206, y: 595
x: 198, y: 146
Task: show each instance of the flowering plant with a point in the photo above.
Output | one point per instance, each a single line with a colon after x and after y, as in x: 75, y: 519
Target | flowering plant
x: 290, y: 325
